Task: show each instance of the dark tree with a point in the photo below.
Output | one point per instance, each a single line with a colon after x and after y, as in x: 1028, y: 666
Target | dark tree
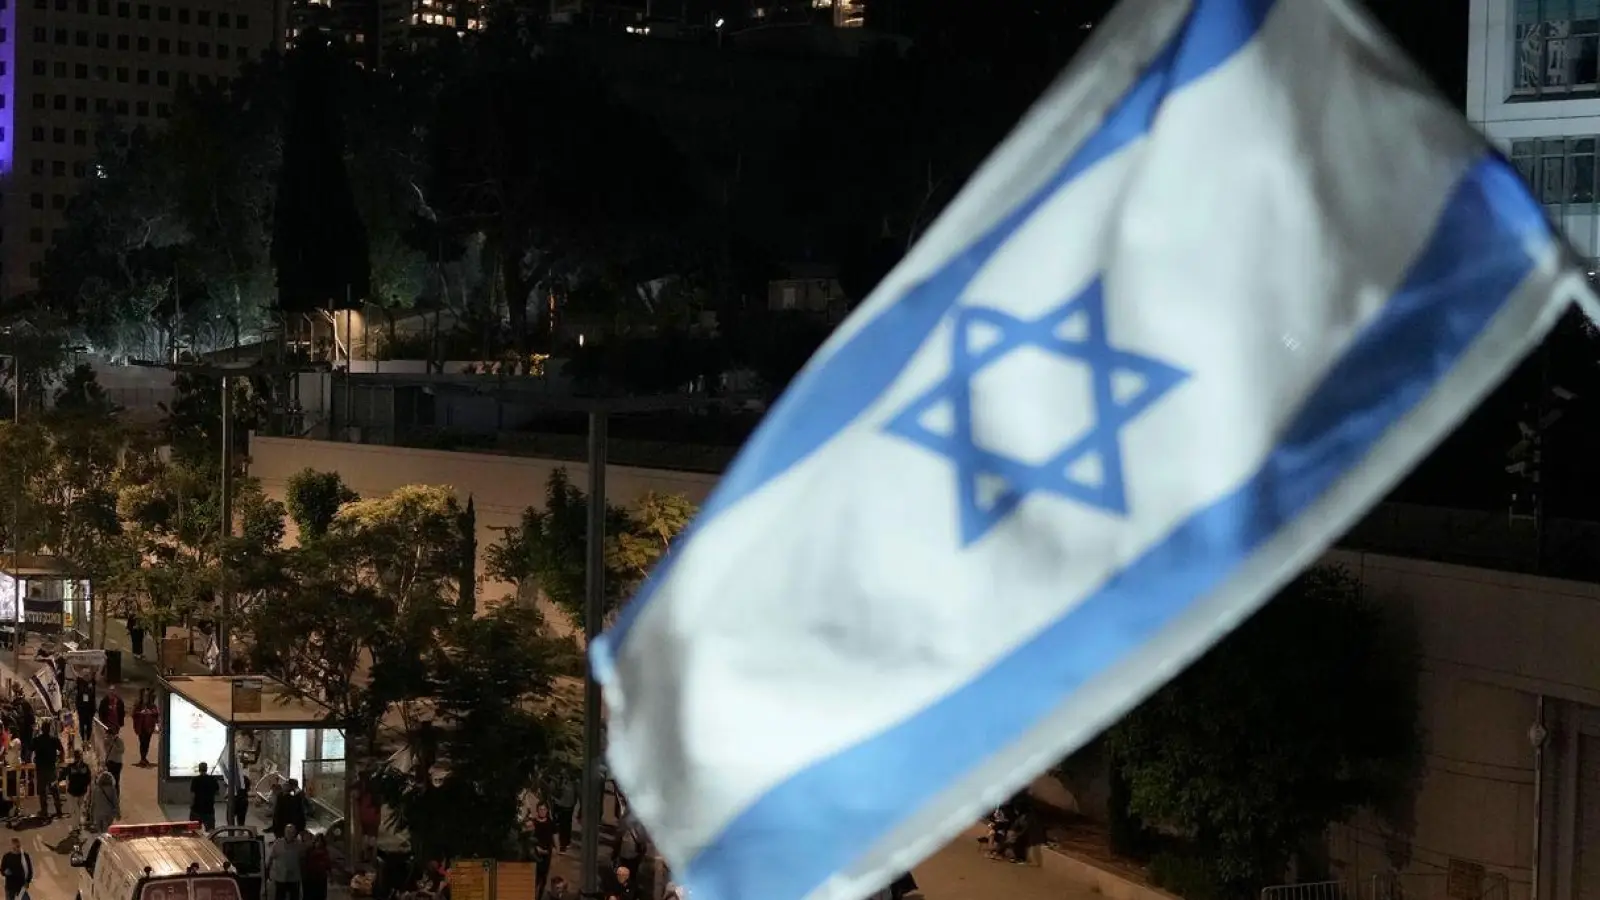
x: 319, y: 243
x: 1302, y: 717
x: 314, y: 499
x: 533, y: 150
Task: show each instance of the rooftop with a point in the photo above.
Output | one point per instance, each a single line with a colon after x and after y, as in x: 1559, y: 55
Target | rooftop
x: 33, y: 565
x: 280, y: 707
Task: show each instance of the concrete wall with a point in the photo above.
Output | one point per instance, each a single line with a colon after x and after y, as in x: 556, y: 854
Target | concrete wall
x: 1493, y: 644
x: 501, y: 487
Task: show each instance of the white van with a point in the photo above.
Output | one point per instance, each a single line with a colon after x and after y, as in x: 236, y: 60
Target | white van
x: 163, y: 861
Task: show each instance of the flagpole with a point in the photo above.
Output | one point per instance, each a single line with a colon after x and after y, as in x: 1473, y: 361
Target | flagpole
x: 593, y: 799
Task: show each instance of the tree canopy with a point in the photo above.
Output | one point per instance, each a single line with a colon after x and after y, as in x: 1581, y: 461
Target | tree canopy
x: 1300, y: 718
x: 546, y: 553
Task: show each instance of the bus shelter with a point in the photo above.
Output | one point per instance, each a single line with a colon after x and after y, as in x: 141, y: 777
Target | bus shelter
x: 53, y: 602
x: 258, y: 723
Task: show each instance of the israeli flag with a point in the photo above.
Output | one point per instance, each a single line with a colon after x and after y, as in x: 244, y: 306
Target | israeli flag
x: 1233, y: 276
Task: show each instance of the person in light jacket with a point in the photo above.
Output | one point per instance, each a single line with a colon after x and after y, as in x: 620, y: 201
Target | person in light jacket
x: 105, y: 806
x: 284, y: 863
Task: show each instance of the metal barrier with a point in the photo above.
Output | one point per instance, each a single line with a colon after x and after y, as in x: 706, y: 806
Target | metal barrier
x: 1311, y: 890
x: 20, y: 782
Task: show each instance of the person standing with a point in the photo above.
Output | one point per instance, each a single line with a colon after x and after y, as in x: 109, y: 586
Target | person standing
x: 47, y: 753
x: 369, y: 810
x: 566, y: 800
x: 115, y: 748
x: 203, y: 799
x: 79, y: 777
x: 84, y: 702
x: 16, y: 867
x: 623, y: 886
x: 629, y: 847
x: 112, y: 712
x: 136, y: 636
x: 284, y: 860
x: 145, y: 719
x: 544, y: 846
x: 105, y: 803
x: 317, y: 866
x: 25, y: 726
x: 289, y: 810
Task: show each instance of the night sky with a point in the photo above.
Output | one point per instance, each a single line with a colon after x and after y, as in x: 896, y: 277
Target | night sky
x: 1435, y: 33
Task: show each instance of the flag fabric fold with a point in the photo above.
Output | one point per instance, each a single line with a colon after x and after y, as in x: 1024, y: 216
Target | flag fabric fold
x: 1226, y: 283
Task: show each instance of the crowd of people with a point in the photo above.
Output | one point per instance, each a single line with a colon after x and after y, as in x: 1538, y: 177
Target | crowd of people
x: 1013, y: 830
x: 70, y: 771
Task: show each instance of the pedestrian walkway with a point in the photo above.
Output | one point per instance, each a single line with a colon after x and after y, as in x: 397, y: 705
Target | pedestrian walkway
x: 959, y: 871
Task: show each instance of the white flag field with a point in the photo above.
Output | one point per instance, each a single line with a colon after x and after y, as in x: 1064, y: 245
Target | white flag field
x: 1232, y: 277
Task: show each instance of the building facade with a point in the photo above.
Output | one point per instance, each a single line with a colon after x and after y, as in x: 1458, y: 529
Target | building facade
x: 1533, y: 86
x: 68, y: 66
x: 1508, y: 807
x: 372, y: 31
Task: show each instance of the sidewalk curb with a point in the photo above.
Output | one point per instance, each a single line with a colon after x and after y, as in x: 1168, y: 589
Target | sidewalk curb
x: 1111, y: 884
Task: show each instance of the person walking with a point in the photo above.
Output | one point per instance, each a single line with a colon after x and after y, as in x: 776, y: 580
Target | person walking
x: 16, y: 868
x: 203, y: 799
x: 47, y: 753
x: 239, y: 802
x: 79, y: 777
x: 105, y: 803
x: 116, y: 747
x: 317, y: 866
x: 284, y: 860
x: 146, y: 717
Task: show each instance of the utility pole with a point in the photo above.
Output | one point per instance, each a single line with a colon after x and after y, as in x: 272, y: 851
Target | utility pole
x: 593, y: 800
x: 225, y: 374
x: 224, y: 642
x: 20, y: 632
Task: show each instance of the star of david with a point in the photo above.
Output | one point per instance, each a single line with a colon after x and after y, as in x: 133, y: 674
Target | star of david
x: 1088, y: 469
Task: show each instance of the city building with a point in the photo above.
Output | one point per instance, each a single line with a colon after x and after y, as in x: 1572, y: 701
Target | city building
x: 1534, y: 89
x: 370, y: 30
x: 66, y: 66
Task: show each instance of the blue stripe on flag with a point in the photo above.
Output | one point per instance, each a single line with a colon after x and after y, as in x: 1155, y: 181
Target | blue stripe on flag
x: 821, y: 819
x: 828, y: 397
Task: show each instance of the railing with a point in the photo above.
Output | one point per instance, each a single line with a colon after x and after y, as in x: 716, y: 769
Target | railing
x: 1311, y: 890
x: 324, y: 782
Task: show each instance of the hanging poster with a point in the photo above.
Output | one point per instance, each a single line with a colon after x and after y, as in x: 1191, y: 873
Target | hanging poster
x: 43, y: 615
x: 469, y: 879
